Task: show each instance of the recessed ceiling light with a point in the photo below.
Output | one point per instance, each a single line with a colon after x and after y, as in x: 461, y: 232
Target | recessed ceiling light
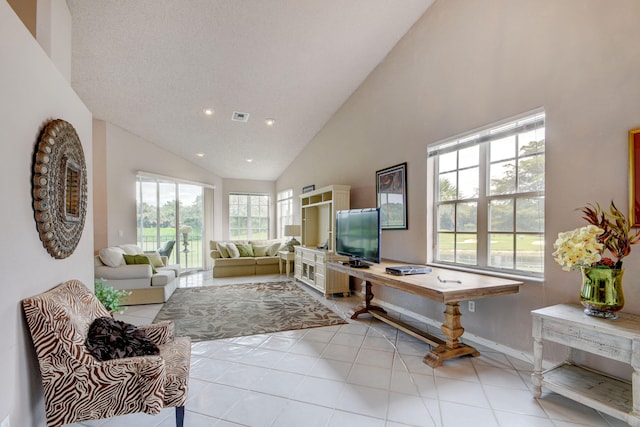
x: 270, y: 122
x: 208, y: 111
x: 200, y: 154
x: 249, y: 160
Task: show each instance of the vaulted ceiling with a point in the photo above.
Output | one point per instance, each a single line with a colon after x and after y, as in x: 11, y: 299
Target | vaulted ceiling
x: 153, y: 66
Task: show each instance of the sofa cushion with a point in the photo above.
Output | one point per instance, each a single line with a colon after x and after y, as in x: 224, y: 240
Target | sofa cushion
x: 156, y: 259
x: 245, y: 249
x: 259, y: 250
x: 222, y: 248
x: 234, y: 262
x: 138, y: 259
x: 132, y: 249
x: 267, y: 260
x: 112, y: 256
x: 233, y: 250
x: 163, y: 277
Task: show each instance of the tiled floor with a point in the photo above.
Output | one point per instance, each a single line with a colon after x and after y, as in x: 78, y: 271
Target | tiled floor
x: 361, y: 374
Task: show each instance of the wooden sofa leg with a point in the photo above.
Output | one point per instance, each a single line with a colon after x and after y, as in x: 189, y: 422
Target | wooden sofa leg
x: 179, y: 416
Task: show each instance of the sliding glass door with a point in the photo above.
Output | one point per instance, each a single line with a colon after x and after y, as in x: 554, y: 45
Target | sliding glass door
x: 170, y: 220
x: 191, y: 210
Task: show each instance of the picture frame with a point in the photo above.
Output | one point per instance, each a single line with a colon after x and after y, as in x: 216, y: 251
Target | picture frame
x: 391, y: 197
x: 634, y: 177
x: 308, y: 188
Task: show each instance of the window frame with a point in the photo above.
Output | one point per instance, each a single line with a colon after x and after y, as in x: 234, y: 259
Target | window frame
x: 250, y: 234
x: 284, y: 201
x: 482, y: 137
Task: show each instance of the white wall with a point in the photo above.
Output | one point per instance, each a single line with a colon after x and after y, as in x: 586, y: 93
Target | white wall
x: 466, y: 64
x: 124, y: 155
x: 33, y: 93
x: 119, y: 154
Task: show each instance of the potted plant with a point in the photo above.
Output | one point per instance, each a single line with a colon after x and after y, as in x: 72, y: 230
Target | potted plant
x: 583, y: 248
x: 110, y: 297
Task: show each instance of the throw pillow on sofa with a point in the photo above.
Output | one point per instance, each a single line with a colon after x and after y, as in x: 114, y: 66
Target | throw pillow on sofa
x: 132, y: 249
x: 155, y: 258
x: 245, y: 249
x: 233, y: 250
x: 222, y: 248
x: 138, y: 259
x: 273, y: 249
x: 260, y: 250
x: 111, y: 256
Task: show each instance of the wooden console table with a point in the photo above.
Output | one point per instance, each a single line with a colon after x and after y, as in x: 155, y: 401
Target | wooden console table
x: 458, y: 286
x: 614, y: 339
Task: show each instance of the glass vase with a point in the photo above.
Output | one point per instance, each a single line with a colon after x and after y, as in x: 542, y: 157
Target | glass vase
x: 601, y: 291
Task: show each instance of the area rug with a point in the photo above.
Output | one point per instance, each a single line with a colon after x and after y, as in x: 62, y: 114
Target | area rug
x: 225, y: 311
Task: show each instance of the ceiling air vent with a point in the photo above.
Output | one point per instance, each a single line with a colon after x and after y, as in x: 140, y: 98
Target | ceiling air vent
x: 240, y: 117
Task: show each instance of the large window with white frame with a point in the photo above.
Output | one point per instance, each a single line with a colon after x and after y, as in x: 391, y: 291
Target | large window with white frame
x: 284, y: 210
x: 248, y: 216
x: 488, y: 197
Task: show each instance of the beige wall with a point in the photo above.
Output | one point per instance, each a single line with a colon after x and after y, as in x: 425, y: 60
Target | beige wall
x: 465, y: 64
x: 100, y: 210
x: 124, y: 155
x: 53, y: 20
x: 33, y: 92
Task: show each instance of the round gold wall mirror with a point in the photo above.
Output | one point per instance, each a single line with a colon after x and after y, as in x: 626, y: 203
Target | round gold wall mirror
x: 59, y: 188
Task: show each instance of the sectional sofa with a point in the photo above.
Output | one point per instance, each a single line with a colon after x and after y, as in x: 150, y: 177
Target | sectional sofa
x: 150, y: 282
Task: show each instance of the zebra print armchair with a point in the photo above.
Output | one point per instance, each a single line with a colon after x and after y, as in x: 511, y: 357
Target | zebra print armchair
x: 78, y: 387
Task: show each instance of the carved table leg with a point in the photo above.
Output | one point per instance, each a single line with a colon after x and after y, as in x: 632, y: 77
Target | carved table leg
x: 368, y: 296
x: 536, y: 376
x: 453, y: 330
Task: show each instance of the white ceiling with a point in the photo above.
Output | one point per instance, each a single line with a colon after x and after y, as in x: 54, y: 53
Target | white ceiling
x: 152, y: 66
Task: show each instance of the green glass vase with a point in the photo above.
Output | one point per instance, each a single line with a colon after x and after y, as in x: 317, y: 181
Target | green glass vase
x: 601, y: 292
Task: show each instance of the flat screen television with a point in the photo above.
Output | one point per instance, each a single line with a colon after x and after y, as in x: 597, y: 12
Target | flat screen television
x: 358, y: 234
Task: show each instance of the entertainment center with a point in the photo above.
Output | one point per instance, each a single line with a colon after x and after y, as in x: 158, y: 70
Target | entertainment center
x: 318, y: 217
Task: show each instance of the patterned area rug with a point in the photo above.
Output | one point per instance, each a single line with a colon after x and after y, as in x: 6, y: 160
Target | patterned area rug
x: 214, y: 312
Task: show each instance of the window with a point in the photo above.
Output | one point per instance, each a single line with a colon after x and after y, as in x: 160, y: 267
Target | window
x: 489, y: 197
x: 248, y: 216
x: 285, y: 210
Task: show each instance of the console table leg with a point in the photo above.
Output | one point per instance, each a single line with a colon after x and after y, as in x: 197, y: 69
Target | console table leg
x: 453, y: 330
x: 452, y: 326
x: 368, y: 296
x: 536, y: 376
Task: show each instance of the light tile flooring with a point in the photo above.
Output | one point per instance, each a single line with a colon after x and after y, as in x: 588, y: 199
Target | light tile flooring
x: 362, y: 374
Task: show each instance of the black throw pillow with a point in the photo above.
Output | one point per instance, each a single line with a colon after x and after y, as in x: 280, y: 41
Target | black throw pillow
x: 113, y: 339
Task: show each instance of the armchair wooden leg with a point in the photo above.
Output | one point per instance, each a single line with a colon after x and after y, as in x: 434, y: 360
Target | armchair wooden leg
x: 179, y: 416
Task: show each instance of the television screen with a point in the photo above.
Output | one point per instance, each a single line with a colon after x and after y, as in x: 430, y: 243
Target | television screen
x: 358, y: 234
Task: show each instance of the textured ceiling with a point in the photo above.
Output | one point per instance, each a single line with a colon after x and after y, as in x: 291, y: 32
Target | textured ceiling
x: 151, y: 66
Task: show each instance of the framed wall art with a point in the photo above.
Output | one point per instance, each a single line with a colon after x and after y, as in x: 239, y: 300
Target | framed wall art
x: 391, y: 195
x: 634, y: 177
x: 308, y: 188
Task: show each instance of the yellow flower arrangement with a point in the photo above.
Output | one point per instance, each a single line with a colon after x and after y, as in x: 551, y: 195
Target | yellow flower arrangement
x: 607, y: 230
x: 578, y: 248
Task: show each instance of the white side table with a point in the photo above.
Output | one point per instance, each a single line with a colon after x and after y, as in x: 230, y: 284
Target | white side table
x: 288, y: 258
x: 614, y: 339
